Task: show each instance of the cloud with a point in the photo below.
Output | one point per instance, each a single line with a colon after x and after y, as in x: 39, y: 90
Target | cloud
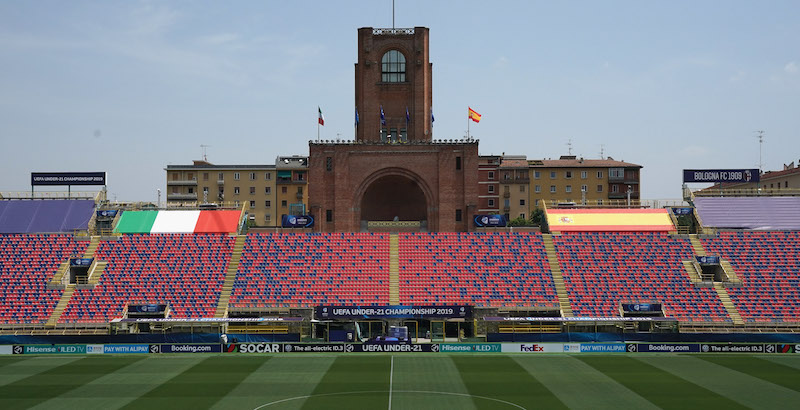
x: 791, y: 67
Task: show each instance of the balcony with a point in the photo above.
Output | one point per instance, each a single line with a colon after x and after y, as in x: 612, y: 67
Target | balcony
x: 181, y: 197
x: 506, y: 194
x: 182, y: 182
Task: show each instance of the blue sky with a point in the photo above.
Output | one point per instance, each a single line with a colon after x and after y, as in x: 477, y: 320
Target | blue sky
x: 128, y: 87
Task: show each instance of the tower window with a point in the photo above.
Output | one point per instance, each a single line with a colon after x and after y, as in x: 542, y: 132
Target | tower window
x: 393, y: 67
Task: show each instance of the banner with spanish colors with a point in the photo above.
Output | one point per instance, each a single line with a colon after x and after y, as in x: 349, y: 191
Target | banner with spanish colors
x: 606, y: 220
x: 474, y: 116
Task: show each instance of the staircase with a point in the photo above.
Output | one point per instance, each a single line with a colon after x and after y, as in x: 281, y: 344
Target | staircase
x: 99, y: 268
x: 57, y: 281
x: 728, y: 304
x: 62, y: 304
x: 558, y: 279
x: 699, y: 250
x: 694, y: 276
x: 230, y: 277
x: 92, y: 248
x: 732, y: 277
x: 394, y: 269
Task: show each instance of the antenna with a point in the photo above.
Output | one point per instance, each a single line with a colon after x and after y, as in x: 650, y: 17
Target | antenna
x: 569, y: 146
x: 602, y: 151
x: 205, y: 149
x: 760, y: 145
x: 392, y: 14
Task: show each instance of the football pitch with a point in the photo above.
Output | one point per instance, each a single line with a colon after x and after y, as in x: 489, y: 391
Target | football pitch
x: 402, y: 381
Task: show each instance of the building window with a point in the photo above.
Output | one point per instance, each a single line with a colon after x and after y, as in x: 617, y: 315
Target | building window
x: 521, y: 202
x: 205, y: 190
x: 267, y: 218
x: 236, y: 203
x: 175, y: 176
x: 506, y: 203
x: 329, y: 163
x: 537, y: 174
x: 618, y: 173
x: 584, y: 188
x: 522, y: 188
x: 252, y: 176
x: 267, y: 204
x: 300, y: 190
x: 536, y: 202
x: 552, y: 189
x: 267, y: 176
x: 552, y: 174
x: 220, y: 176
x: 786, y: 184
x: 393, y: 67
x: 191, y: 190
x: 235, y: 176
x: 506, y: 176
x: 491, y: 189
x: 458, y: 163
x: 328, y: 215
x: 614, y: 188
x: 236, y: 190
x: 599, y: 202
x: 458, y: 215
x: 584, y: 174
x: 174, y: 190
x: 537, y: 188
x: 568, y: 174
x: 267, y: 190
x: 491, y: 175
x: 522, y: 216
x: 599, y: 188
x: 252, y: 190
x: 191, y: 176
x: 599, y: 174
x: 205, y: 176
x: 283, y: 204
x: 252, y: 204
x: 491, y: 203
x: 568, y: 189
x: 283, y: 190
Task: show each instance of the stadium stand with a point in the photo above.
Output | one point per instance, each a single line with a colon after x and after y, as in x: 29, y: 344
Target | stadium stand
x: 768, y: 264
x: 27, y: 263
x: 764, y: 213
x: 294, y: 270
x: 185, y: 270
x: 51, y: 216
x: 197, y: 221
x: 603, y: 269
x: 482, y: 269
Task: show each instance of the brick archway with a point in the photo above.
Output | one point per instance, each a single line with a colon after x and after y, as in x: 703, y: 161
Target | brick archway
x: 394, y: 192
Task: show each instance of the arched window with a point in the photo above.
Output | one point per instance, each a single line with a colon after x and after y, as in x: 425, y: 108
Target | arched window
x: 393, y: 67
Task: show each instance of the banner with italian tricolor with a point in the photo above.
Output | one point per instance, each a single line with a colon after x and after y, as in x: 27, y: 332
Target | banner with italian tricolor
x: 178, y: 222
x: 603, y: 220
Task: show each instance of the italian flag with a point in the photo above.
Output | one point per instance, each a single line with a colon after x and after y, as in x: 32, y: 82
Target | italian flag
x: 321, y: 118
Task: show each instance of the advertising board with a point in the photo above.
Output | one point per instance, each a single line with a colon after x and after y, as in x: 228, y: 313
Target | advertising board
x: 49, y: 349
x: 603, y: 348
x: 191, y: 348
x: 532, y: 348
x: 396, y: 312
x: 126, y: 349
x: 469, y: 348
x: 664, y: 347
x: 68, y: 178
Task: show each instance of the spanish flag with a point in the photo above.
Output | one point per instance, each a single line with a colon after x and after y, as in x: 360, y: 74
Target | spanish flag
x: 474, y: 116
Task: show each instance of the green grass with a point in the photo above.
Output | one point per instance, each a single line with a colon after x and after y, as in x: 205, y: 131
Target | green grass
x: 413, y: 381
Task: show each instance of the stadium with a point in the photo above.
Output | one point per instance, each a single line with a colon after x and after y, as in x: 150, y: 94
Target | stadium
x: 392, y: 285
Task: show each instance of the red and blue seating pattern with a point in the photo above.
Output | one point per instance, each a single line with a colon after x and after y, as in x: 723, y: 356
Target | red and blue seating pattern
x: 27, y: 264
x: 768, y: 264
x: 292, y: 270
x: 602, y: 270
x: 186, y: 270
x: 482, y: 269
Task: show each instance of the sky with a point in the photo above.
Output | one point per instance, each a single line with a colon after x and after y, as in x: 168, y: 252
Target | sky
x: 128, y: 87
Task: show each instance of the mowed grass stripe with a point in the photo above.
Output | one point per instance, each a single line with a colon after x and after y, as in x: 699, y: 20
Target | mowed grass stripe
x: 21, y: 367
x: 502, y: 378
x: 58, y: 380
x: 201, y: 385
x: 350, y: 374
x: 566, y: 375
x: 724, y: 381
x: 659, y: 387
x: 428, y: 374
x: 282, y: 377
x: 770, y: 371
x: 791, y: 360
x: 114, y: 390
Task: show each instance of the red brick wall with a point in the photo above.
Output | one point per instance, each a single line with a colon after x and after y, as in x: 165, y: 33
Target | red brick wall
x: 356, y: 166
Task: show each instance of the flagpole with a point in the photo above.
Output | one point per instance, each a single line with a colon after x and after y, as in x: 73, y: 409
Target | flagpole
x: 468, y: 123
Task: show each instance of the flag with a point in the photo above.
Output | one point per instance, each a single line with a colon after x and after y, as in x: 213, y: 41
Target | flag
x: 432, y: 119
x: 474, y: 116
x: 408, y: 116
x: 321, y: 118
x: 356, y: 116
x: 383, y: 118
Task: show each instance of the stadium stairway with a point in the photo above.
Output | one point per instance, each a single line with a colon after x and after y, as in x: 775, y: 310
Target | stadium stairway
x: 62, y: 304
x: 230, y: 277
x: 90, y: 250
x: 394, y: 269
x: 728, y: 304
x: 57, y: 281
x: 558, y: 278
x: 691, y: 269
x: 697, y: 246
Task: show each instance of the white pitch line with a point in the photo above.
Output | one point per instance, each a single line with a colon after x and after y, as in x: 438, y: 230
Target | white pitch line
x: 391, y: 377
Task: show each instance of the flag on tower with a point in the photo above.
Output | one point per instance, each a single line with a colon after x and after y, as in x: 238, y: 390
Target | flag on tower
x: 356, y: 116
x: 321, y: 118
x: 383, y: 118
x: 474, y: 116
x: 408, y: 116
